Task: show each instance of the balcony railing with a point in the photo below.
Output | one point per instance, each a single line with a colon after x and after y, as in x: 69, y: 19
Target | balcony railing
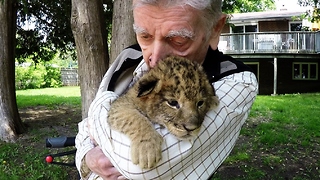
x: 271, y: 42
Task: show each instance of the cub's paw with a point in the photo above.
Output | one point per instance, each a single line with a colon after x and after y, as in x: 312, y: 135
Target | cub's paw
x: 146, y: 151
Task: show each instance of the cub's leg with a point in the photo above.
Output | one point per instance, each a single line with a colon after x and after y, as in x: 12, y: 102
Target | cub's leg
x: 145, y: 140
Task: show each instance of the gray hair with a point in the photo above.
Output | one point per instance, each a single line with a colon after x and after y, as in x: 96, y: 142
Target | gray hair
x: 211, y: 9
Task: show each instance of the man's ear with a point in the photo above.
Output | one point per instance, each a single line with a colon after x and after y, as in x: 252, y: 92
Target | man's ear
x: 216, y: 32
x: 146, y: 86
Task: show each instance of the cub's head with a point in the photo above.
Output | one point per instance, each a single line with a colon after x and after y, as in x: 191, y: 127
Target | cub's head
x: 176, y: 94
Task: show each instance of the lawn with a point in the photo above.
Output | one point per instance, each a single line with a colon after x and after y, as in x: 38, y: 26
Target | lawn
x: 45, y: 113
x: 280, y: 140
x: 50, y: 97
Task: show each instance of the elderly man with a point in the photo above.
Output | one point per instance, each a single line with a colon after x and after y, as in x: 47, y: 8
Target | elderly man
x: 187, y: 28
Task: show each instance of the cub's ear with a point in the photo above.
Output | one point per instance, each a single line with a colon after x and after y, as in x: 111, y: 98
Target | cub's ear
x: 146, y: 86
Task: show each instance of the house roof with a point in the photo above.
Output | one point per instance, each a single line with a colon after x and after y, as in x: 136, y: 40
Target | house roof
x: 268, y: 15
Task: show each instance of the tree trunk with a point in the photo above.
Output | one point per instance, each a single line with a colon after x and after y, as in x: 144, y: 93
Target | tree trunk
x: 10, y: 121
x: 122, y: 29
x: 90, y: 36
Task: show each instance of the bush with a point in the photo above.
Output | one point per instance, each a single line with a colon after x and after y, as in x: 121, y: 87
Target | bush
x: 52, y: 77
x: 37, y: 76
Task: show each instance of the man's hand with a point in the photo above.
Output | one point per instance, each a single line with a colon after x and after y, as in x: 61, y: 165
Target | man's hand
x: 100, y: 165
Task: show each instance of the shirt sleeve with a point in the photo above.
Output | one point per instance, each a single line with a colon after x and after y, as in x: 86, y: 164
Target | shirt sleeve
x: 83, y: 141
x: 86, y: 132
x: 194, y: 159
x: 83, y: 145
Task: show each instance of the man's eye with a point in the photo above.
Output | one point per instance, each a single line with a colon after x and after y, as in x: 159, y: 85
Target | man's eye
x: 145, y: 36
x: 178, y: 41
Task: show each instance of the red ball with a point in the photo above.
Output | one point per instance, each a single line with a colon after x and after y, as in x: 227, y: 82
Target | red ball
x: 49, y: 159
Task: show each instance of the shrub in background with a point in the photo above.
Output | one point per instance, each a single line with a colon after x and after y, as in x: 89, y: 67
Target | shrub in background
x: 52, y: 77
x: 37, y: 76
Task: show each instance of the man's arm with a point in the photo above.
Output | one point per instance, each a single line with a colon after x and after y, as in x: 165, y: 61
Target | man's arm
x: 84, y: 144
x: 91, y: 157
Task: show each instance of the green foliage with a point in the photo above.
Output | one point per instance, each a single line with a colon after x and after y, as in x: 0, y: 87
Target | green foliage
x: 37, y: 76
x: 312, y: 3
x: 52, y: 77
x: 50, y: 26
x: 49, y: 30
x: 30, y: 44
x: 65, y: 60
x: 241, y: 6
x: 314, y: 14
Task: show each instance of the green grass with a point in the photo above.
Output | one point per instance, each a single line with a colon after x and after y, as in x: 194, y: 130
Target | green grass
x: 25, y: 159
x: 23, y: 162
x: 294, y: 119
x: 281, y: 140
x: 69, y: 95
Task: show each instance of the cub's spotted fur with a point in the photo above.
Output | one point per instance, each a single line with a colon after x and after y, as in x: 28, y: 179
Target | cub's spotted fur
x: 175, y: 94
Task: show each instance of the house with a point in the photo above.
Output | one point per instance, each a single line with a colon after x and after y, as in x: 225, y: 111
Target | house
x: 275, y: 44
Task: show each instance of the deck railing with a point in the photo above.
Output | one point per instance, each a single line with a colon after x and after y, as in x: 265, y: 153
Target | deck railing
x: 270, y: 42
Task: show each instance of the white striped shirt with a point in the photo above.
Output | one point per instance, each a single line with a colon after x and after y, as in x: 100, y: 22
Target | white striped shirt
x: 194, y: 159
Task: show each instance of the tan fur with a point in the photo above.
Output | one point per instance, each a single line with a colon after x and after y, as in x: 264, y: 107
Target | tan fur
x: 175, y: 94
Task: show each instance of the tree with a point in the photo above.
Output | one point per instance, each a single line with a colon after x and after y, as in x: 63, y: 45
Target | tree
x: 241, y: 6
x: 92, y: 49
x: 11, y: 124
x: 312, y: 3
x: 52, y: 33
x: 313, y: 15
x: 50, y: 29
x: 122, y: 29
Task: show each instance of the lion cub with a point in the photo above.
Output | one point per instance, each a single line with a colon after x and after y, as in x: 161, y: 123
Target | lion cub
x: 175, y: 94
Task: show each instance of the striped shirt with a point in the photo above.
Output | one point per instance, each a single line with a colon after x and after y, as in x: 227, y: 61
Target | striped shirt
x: 236, y: 87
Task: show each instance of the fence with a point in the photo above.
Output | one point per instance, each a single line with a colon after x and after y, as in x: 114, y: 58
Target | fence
x: 271, y: 42
x: 70, y: 77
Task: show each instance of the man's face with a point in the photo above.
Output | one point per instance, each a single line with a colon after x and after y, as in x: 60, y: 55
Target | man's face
x: 171, y: 31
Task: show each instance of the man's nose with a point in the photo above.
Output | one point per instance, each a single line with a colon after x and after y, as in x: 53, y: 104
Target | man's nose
x: 160, y: 51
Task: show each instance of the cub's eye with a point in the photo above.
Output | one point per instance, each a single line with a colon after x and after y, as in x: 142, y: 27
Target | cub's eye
x: 200, y: 103
x: 173, y: 104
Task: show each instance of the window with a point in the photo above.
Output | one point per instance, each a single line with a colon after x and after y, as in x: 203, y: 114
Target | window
x: 243, y: 41
x: 305, y: 71
x: 251, y: 28
x: 237, y: 29
x: 295, y: 26
x: 244, y: 28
